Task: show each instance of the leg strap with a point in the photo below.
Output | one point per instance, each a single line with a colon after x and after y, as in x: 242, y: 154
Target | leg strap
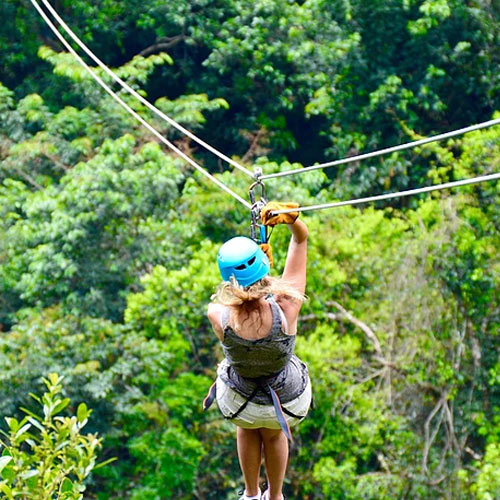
x: 244, y: 405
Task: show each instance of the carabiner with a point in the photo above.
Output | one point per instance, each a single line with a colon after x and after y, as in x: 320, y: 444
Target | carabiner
x: 260, y: 184
x: 256, y: 208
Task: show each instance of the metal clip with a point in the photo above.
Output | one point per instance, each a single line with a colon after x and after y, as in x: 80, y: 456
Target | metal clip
x: 257, y: 206
x: 257, y: 173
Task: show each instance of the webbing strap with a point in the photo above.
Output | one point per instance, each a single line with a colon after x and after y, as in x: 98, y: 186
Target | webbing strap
x: 244, y: 405
x: 279, y: 413
x: 210, y: 397
x: 290, y: 414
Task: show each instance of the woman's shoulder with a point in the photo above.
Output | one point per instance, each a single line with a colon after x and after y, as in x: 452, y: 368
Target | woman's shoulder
x: 214, y: 308
x: 290, y: 308
x: 214, y: 314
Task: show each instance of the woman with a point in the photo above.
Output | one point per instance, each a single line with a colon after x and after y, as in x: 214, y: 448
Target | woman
x: 261, y: 385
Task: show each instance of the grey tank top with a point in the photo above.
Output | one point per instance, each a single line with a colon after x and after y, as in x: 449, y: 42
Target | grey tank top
x: 270, y: 358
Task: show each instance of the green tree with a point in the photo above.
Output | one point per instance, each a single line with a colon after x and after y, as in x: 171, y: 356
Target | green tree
x: 47, y: 456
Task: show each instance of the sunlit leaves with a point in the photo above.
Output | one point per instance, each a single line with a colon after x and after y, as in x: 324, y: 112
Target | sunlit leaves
x: 48, y: 456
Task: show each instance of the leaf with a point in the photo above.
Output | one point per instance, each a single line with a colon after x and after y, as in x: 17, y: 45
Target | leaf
x: 30, y: 473
x: 9, y: 474
x: 6, y: 490
x: 60, y: 406
x: 54, y: 378
x: 12, y: 423
x: 36, y: 423
x: 31, y: 414
x: 106, y: 462
x: 36, y: 398
x: 4, y: 461
x: 66, y: 486
x: 82, y: 413
x: 22, y: 431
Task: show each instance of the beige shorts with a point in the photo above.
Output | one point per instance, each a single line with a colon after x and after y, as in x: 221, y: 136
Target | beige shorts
x: 255, y: 416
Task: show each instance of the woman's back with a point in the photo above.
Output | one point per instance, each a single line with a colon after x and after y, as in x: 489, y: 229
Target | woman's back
x: 262, y: 355
x: 253, y: 323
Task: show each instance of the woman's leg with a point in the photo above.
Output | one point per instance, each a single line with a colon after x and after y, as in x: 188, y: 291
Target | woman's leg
x: 276, y: 459
x: 250, y: 456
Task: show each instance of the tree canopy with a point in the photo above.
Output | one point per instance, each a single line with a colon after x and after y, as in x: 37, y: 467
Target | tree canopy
x: 108, y: 240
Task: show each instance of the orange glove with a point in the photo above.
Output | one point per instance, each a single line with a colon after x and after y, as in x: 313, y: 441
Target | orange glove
x: 266, y: 248
x: 274, y: 206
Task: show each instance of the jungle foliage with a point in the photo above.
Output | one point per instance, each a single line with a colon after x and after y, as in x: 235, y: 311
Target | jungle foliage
x: 108, y: 242
x: 46, y: 456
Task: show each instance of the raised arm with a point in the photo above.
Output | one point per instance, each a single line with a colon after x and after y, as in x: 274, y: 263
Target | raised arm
x: 296, y: 259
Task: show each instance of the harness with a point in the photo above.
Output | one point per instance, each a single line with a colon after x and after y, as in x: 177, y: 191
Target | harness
x: 262, y: 384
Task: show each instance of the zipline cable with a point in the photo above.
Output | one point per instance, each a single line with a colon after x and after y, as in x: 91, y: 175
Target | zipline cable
x: 400, y: 194
x: 144, y: 101
x: 235, y: 164
x: 385, y: 151
x: 134, y: 114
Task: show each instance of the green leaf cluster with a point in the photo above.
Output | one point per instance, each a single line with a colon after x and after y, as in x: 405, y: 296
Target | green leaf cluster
x: 47, y: 456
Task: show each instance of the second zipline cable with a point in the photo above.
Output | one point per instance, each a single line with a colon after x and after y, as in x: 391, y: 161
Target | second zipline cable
x: 400, y: 194
x: 385, y: 151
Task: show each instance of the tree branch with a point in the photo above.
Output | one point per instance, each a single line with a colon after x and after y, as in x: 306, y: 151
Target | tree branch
x: 255, y: 146
x: 28, y: 178
x: 56, y: 162
x: 370, y: 334
x: 429, y: 438
x: 310, y: 317
x: 164, y: 43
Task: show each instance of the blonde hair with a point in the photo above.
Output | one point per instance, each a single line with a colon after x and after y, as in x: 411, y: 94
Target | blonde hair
x: 244, y: 300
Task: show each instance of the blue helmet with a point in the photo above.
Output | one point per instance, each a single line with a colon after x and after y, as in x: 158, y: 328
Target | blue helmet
x: 242, y: 258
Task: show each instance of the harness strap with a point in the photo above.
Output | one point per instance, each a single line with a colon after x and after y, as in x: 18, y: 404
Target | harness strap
x: 244, y: 405
x: 290, y: 414
x: 210, y: 397
x: 279, y: 413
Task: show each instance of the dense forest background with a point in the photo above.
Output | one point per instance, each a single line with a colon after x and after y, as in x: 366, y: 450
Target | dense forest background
x: 108, y: 241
